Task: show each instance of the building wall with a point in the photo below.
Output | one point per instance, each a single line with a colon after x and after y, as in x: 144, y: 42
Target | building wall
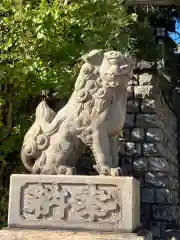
x: 148, y: 151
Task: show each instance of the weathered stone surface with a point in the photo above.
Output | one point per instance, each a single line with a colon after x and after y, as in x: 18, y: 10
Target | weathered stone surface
x: 172, y: 152
x: 164, y: 227
x: 94, y: 113
x: 154, y: 149
x: 145, y: 79
x: 171, y: 140
x: 158, y: 164
x: 143, y: 91
x: 155, y: 128
x: 174, y: 183
x: 122, y: 148
x: 140, y: 178
x: 129, y: 120
x: 160, y: 179
x: 166, y: 196
x: 172, y: 149
x: 74, y: 202
x: 137, y: 134
x: 133, y: 106
x: 130, y: 90
x: 140, y: 164
x: 146, y: 212
x: 147, y: 195
x: 154, y: 134
x: 173, y: 159
x: 147, y: 120
x: 174, y: 170
x: 134, y: 81
x: 133, y: 148
x: 155, y: 228
x: 23, y: 234
x: 142, y: 65
x: 127, y: 165
x: 125, y: 133
x: 157, y: 179
x: 169, y: 213
x: 148, y: 106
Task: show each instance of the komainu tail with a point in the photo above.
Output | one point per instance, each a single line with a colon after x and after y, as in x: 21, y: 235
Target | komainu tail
x: 35, y: 141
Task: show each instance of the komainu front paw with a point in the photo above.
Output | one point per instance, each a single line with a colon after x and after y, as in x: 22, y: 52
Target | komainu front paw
x: 103, y: 170
x: 64, y: 170
x: 116, y: 172
x: 70, y: 171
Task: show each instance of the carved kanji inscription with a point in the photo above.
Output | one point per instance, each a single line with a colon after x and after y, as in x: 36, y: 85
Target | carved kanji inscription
x: 94, y: 203
x: 42, y: 197
x: 74, y: 202
x: 89, y: 202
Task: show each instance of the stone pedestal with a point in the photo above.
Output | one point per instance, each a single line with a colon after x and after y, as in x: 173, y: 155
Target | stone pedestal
x: 65, y: 235
x: 95, y: 203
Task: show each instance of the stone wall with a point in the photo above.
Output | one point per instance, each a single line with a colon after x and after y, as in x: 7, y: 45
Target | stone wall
x: 148, y: 151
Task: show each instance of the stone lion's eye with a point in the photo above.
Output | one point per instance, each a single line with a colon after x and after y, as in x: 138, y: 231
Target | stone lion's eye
x: 86, y: 71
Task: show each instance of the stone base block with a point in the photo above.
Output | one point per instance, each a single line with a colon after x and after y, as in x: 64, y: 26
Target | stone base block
x: 65, y: 235
x: 96, y: 203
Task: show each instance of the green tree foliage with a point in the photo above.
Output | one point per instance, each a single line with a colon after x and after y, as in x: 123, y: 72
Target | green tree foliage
x: 149, y: 18
x: 40, y: 46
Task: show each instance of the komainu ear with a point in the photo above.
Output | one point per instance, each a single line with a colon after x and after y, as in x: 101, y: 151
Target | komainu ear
x: 94, y: 57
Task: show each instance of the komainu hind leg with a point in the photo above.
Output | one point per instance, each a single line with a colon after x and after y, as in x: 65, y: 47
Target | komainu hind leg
x: 58, y: 153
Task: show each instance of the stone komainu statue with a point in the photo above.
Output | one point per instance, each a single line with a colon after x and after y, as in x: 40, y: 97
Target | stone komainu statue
x: 93, y: 116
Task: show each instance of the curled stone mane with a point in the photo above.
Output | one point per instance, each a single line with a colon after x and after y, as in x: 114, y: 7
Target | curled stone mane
x: 86, y: 92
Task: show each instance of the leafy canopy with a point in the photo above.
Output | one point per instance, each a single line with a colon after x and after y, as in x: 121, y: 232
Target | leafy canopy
x: 40, y: 46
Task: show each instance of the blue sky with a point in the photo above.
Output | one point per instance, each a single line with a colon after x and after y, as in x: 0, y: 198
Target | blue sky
x: 176, y: 36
